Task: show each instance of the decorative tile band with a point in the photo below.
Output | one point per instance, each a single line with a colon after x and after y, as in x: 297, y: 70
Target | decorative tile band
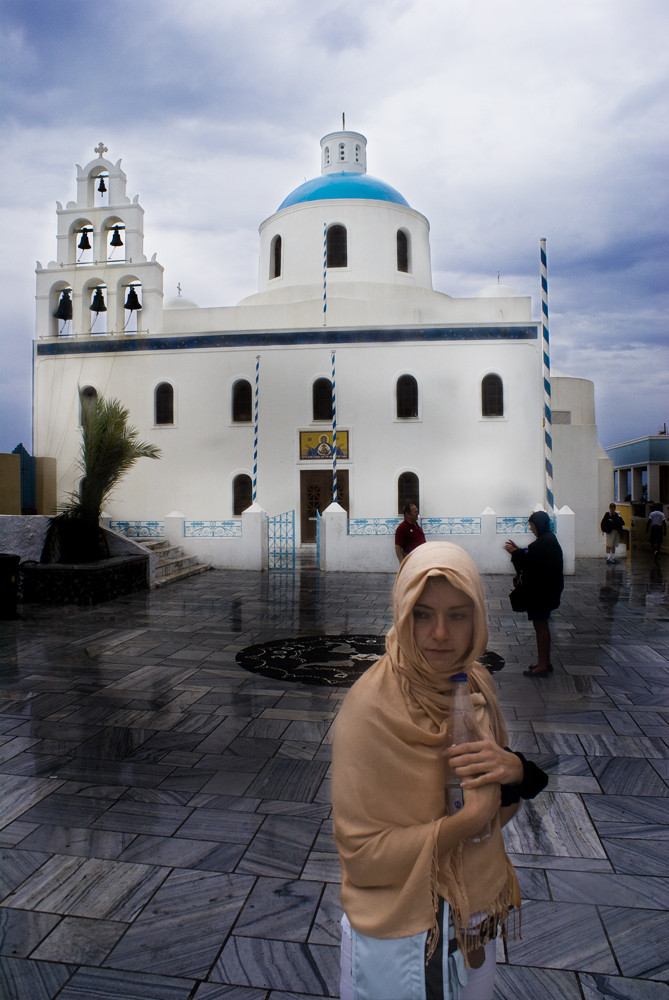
x: 139, y: 529
x: 373, y: 525
x: 213, y: 529
x: 451, y: 525
x: 518, y: 525
x: 254, y: 340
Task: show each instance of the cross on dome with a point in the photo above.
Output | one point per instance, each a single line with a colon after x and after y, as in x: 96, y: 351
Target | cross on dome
x: 100, y: 149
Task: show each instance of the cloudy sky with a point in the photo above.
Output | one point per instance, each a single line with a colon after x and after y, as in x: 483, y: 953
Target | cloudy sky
x: 502, y: 123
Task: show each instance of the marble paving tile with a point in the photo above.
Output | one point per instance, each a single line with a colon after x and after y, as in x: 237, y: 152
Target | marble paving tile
x: 225, y: 825
x: 624, y: 746
x: 636, y: 856
x: 206, y: 855
x: 142, y: 817
x: 29, y: 980
x: 110, y: 984
x: 80, y: 940
x: 603, y: 987
x: 297, y: 780
x: 280, y: 847
x: 217, y: 991
x: 562, y: 935
x: 553, y: 824
x: 78, y: 841
x: 108, y: 890
x: 614, y: 890
x: 57, y: 809
x: 642, y: 954
x: 279, y: 965
x: 22, y: 930
x: 279, y: 908
x: 627, y: 776
x: 629, y: 816
x: 195, y: 908
x: 322, y: 866
x: 515, y: 983
x: 16, y: 866
x: 327, y: 923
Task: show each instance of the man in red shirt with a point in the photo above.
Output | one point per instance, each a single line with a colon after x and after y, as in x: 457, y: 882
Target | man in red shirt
x: 409, y: 534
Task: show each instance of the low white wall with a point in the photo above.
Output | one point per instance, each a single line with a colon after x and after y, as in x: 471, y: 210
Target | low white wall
x: 247, y: 551
x: 341, y: 552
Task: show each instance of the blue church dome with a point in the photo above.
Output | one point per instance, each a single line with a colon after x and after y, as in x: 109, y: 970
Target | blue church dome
x: 343, y: 185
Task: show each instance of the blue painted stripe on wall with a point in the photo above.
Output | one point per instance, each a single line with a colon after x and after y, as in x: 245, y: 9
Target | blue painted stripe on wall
x: 309, y: 338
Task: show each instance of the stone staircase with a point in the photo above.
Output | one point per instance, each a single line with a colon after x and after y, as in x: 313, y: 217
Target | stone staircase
x: 172, y: 563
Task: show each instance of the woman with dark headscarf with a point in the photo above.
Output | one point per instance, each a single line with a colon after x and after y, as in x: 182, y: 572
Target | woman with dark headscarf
x: 424, y: 894
x: 541, y: 567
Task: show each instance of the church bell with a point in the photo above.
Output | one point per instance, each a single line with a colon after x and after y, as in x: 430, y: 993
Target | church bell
x: 116, y: 240
x: 64, y: 308
x: 102, y: 187
x: 98, y: 303
x: 132, y: 302
x: 84, y: 242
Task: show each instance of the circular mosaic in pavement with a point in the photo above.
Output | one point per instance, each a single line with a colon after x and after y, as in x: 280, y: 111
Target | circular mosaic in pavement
x: 334, y: 660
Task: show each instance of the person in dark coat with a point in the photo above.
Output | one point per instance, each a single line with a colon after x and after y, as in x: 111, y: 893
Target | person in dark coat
x: 543, y: 580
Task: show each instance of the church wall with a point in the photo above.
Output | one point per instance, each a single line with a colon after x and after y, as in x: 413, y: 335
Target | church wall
x: 464, y: 462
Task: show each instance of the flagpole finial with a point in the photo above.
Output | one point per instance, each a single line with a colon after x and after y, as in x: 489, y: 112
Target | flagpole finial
x: 343, y: 121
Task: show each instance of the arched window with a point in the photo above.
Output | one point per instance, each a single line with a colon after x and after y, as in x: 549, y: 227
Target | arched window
x: 492, y: 396
x: 87, y: 394
x: 342, y: 151
x: 242, y: 402
x: 402, y: 251
x: 242, y: 494
x: 407, y: 491
x: 357, y: 152
x: 327, y: 156
x: 407, y: 397
x: 164, y: 403
x: 337, y: 248
x: 322, y: 399
x: 275, y: 258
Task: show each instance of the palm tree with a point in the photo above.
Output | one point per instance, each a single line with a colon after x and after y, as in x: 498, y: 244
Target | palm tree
x: 109, y: 449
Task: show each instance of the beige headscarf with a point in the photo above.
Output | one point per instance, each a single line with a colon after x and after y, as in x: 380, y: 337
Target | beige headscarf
x: 389, y: 775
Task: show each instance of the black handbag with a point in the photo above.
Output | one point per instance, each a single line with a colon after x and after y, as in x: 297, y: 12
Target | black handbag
x: 518, y: 596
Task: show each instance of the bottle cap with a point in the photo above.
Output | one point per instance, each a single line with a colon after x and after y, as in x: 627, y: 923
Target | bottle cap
x: 459, y: 677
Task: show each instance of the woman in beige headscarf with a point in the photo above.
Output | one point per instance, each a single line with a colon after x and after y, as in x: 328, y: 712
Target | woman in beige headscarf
x: 423, y: 902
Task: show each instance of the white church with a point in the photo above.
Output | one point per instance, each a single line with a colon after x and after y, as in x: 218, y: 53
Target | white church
x: 345, y: 378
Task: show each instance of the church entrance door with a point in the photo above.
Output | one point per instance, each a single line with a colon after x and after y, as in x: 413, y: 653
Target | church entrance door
x: 316, y: 495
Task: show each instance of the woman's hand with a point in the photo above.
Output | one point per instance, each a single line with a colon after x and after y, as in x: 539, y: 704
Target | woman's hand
x: 483, y: 763
x: 510, y: 546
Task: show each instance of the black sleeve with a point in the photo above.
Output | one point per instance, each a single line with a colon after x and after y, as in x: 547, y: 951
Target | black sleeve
x: 534, y: 781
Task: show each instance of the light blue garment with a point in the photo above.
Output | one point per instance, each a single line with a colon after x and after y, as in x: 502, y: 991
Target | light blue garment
x: 394, y: 969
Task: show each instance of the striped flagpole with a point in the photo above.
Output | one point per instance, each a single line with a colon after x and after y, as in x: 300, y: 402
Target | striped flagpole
x: 548, y: 440
x: 255, y: 430
x: 325, y: 272
x: 334, y: 433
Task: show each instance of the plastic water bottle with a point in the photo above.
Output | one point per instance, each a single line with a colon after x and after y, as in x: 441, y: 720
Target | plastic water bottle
x: 463, y: 728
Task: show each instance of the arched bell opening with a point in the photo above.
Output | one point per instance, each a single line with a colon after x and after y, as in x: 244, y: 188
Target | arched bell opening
x: 113, y: 231
x: 130, y: 304
x: 95, y: 307
x: 61, y: 310
x: 99, y: 181
x: 81, y: 242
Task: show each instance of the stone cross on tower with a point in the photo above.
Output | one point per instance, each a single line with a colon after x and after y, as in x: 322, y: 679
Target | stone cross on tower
x: 100, y: 149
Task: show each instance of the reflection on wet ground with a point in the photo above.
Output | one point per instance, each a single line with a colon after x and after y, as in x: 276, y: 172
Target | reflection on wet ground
x: 165, y: 827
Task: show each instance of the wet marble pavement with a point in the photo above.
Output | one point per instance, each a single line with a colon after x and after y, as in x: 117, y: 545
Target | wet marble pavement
x: 165, y: 814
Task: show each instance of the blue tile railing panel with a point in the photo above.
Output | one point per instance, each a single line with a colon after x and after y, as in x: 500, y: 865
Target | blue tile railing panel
x: 213, y: 529
x: 139, y: 529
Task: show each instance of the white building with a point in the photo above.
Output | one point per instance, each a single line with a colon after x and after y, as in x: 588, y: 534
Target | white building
x: 438, y: 399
